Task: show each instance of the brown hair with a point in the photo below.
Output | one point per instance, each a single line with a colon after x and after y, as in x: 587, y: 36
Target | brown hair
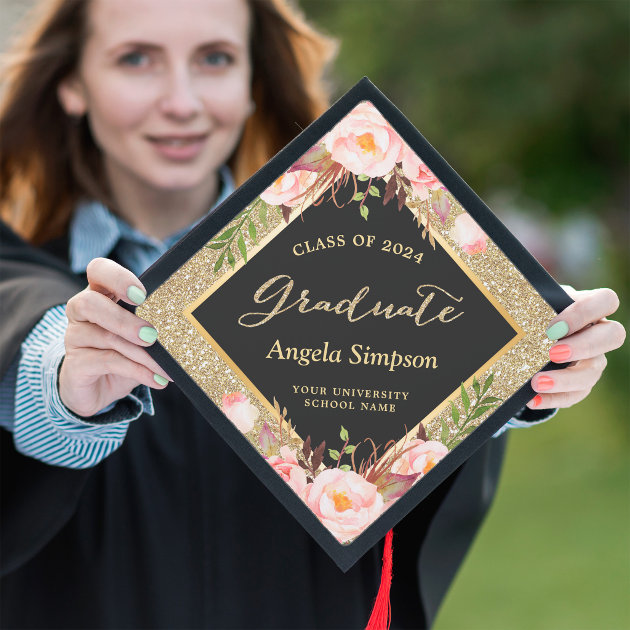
x: 48, y: 161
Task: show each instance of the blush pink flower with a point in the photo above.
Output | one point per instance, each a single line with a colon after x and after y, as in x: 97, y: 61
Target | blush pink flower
x: 468, y: 235
x: 240, y: 411
x: 344, y: 502
x: 288, y: 189
x: 288, y: 468
x: 364, y: 142
x: 420, y: 458
x: 419, y: 174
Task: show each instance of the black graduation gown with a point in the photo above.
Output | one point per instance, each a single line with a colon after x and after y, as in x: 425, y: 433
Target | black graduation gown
x: 174, y: 531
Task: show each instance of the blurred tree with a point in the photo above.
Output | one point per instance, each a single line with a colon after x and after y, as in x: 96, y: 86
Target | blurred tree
x: 533, y: 91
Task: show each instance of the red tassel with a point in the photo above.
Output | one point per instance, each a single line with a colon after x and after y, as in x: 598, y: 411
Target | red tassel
x: 381, y: 616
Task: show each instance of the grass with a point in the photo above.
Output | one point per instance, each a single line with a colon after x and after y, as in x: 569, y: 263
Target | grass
x: 554, y: 553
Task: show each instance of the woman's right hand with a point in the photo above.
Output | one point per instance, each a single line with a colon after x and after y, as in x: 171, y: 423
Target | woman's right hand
x: 105, y: 356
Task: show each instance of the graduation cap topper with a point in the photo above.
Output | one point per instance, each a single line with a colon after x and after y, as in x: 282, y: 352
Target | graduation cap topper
x: 360, y: 317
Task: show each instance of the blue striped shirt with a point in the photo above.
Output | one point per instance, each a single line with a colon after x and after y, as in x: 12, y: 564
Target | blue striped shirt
x: 30, y: 405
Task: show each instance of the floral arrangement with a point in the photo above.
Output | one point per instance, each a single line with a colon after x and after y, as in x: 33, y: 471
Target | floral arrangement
x: 348, y: 497
x: 365, y: 148
x: 364, y: 479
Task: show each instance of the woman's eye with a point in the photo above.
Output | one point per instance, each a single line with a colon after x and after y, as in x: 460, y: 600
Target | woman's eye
x: 217, y: 59
x: 135, y: 59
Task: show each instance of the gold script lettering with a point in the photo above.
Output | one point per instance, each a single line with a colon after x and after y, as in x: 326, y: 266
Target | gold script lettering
x: 280, y: 287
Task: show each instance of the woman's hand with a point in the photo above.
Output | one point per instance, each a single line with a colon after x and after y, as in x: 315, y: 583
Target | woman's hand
x: 105, y: 357
x: 583, y: 335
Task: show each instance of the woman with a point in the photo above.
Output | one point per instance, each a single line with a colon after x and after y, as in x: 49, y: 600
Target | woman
x: 123, y: 123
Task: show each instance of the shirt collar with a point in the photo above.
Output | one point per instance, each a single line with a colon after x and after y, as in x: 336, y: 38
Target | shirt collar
x: 95, y: 230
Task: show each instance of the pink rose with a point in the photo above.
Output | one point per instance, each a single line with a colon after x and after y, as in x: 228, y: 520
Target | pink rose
x: 288, y: 189
x: 240, y: 411
x: 420, y: 458
x: 468, y: 235
x: 421, y: 177
x: 364, y: 142
x: 344, y: 502
x: 288, y: 468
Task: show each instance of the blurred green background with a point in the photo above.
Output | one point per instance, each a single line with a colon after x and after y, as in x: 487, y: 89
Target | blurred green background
x: 528, y: 101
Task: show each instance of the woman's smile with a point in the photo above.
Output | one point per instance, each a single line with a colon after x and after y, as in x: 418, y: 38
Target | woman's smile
x: 179, y: 147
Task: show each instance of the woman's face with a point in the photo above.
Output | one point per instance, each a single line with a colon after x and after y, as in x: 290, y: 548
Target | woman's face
x: 166, y: 87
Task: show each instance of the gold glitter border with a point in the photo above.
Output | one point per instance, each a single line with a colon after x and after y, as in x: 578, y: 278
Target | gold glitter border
x: 213, y: 371
x: 188, y: 312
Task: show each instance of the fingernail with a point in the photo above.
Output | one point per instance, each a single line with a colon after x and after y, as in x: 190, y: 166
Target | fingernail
x: 535, y: 401
x: 160, y: 380
x: 136, y: 295
x: 558, y: 330
x: 560, y: 354
x: 544, y: 383
x: 148, y: 334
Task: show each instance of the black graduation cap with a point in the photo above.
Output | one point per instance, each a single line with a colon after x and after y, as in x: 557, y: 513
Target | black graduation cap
x: 360, y: 316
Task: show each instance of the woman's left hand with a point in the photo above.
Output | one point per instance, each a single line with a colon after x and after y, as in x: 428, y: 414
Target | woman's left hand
x: 583, y: 337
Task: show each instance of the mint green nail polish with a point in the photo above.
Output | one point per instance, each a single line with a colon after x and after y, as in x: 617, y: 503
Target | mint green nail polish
x: 136, y: 295
x: 160, y: 380
x: 558, y: 330
x: 148, y: 334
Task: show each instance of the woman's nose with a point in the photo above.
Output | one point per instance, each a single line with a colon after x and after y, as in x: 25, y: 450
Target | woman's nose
x: 180, y: 99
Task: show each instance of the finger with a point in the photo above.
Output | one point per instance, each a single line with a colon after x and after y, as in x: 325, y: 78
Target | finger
x: 559, y: 400
x: 113, y: 280
x: 87, y: 335
x: 589, y: 342
x: 583, y: 375
x: 589, y: 307
x: 96, y: 363
x: 96, y: 308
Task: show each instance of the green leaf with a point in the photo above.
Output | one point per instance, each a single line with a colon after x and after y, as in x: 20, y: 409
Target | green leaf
x: 491, y: 400
x: 480, y: 411
x: 364, y: 212
x: 349, y: 449
x: 230, y: 257
x: 445, y: 432
x: 455, y: 413
x: 486, y: 385
x: 251, y: 228
x: 345, y: 467
x: 262, y: 213
x: 466, y: 432
x: 227, y: 233
x: 357, y: 196
x: 216, y: 245
x: 465, y: 399
x: 343, y: 434
x: 455, y: 443
x: 334, y: 454
x: 242, y: 248
x: 429, y: 435
x: 374, y: 191
x: 363, y: 178
x: 477, y: 387
x: 219, y: 263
